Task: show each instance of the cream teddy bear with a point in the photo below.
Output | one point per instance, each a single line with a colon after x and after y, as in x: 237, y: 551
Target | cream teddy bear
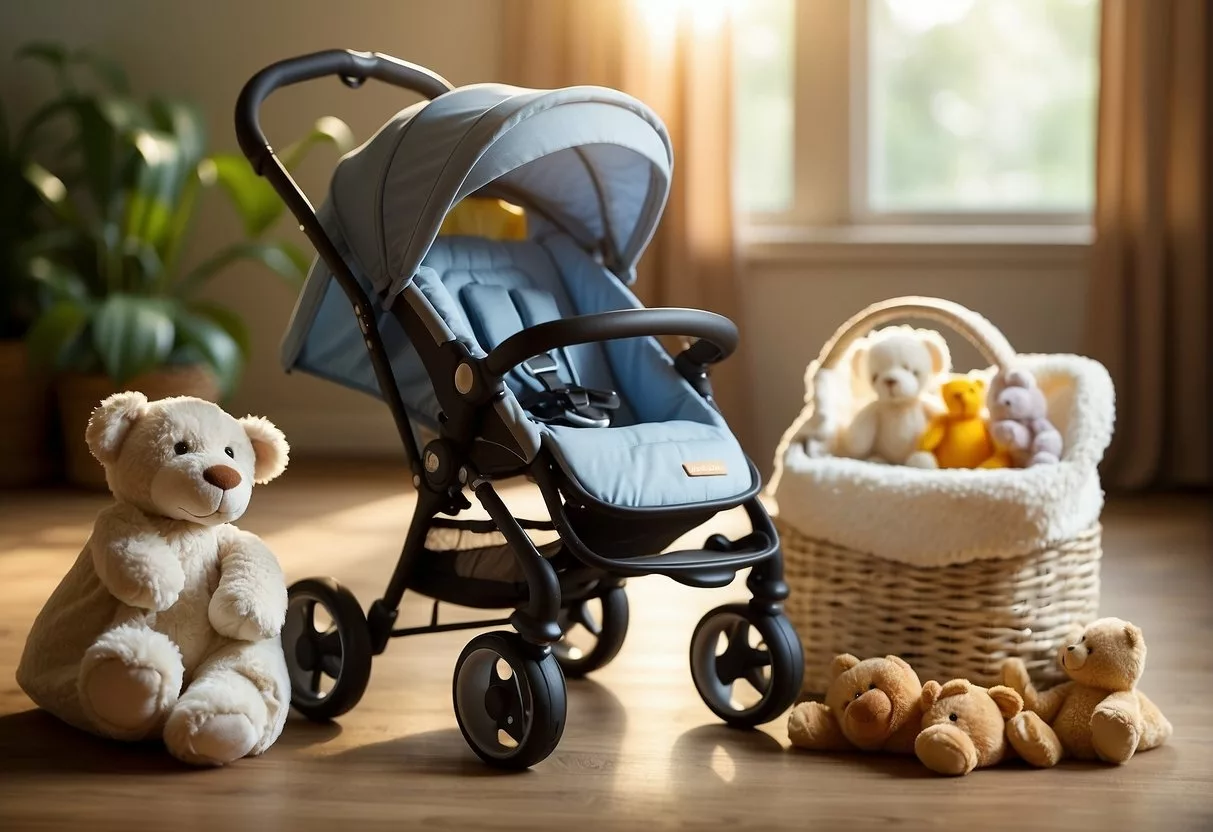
x: 872, y: 705
x: 167, y: 625
x: 964, y: 726
x: 1099, y: 714
x: 903, y: 367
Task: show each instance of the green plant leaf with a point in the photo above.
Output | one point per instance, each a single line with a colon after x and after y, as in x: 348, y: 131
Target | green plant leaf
x: 62, y: 285
x: 326, y: 130
x: 109, y: 71
x: 51, y: 337
x: 51, y: 190
x: 283, y: 258
x: 231, y: 322
x: 142, y: 267
x: 179, y: 223
x: 184, y: 122
x: 132, y: 335
x: 157, y: 180
x: 215, y: 344
x: 27, y: 137
x: 253, y: 197
x: 51, y: 54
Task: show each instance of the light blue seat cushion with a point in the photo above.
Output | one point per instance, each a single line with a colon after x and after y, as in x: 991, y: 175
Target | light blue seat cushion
x: 642, y: 465
x: 486, y: 290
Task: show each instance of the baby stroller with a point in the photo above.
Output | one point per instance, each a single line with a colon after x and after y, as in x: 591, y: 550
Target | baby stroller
x: 522, y: 358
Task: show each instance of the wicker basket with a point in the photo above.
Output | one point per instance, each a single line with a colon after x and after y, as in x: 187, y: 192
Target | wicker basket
x: 878, y: 564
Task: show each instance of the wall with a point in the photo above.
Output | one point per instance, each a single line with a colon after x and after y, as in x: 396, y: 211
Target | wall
x: 207, y: 51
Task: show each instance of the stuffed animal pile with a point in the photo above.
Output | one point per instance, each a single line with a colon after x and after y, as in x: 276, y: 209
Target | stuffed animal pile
x: 167, y: 624
x: 920, y: 414
x: 957, y: 727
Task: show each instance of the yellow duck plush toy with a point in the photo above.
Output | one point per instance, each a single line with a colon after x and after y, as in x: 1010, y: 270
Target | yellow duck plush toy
x: 960, y: 438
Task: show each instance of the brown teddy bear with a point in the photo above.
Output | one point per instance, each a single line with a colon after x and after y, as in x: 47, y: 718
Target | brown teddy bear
x: 872, y: 705
x: 1099, y: 714
x: 964, y: 726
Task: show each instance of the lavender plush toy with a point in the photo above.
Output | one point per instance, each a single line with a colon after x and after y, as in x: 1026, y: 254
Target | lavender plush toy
x: 1019, y: 422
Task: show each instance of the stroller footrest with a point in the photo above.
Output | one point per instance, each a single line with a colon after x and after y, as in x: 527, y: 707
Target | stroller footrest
x: 700, y: 567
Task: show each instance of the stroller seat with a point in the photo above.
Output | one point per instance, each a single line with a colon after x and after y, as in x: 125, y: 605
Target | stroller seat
x: 665, y: 446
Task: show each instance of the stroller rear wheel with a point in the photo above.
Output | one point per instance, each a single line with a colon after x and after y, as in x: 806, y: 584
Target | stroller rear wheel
x: 509, y: 700
x: 594, y: 630
x: 328, y: 648
x: 747, y: 665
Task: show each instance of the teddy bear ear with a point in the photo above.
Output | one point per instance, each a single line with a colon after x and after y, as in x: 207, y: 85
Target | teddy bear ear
x: 941, y: 359
x: 930, y: 693
x: 898, y: 660
x: 1133, y: 634
x: 1020, y: 378
x: 110, y: 423
x: 1009, y: 702
x: 955, y: 687
x: 859, y: 360
x: 842, y: 664
x: 270, y: 450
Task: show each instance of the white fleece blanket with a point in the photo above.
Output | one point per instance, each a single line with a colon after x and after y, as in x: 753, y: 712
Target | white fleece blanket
x: 940, y: 517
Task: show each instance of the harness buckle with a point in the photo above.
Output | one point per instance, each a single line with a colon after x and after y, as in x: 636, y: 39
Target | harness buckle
x: 561, y: 403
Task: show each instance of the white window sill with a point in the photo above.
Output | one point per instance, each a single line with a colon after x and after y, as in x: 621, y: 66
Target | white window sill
x: 915, y: 244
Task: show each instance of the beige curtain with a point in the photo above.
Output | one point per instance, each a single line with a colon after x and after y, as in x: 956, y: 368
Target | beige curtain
x: 1149, y: 312
x: 675, y: 57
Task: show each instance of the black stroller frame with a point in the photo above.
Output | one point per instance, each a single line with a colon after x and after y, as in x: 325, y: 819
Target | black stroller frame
x: 517, y: 722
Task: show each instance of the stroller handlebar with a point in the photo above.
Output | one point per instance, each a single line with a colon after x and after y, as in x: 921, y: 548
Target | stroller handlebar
x: 353, y: 68
x: 717, y: 334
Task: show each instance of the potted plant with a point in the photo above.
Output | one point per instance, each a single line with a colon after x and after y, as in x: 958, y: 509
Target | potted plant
x: 25, y: 433
x: 125, y: 310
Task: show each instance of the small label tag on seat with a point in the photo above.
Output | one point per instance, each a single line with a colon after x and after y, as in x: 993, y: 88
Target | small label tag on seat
x: 705, y: 469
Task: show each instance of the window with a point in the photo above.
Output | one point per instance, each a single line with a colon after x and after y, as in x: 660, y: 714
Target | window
x: 916, y: 111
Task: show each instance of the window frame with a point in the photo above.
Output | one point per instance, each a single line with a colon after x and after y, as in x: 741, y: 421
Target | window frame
x: 831, y: 152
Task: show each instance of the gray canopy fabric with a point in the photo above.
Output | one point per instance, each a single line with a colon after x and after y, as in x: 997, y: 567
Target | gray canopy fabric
x: 593, y: 162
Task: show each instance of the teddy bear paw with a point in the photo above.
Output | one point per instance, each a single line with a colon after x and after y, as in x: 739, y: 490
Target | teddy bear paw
x: 236, y: 617
x: 126, y: 702
x: 1015, y: 675
x: 922, y: 459
x: 1033, y: 740
x: 945, y: 749
x: 217, y: 720
x: 808, y: 724
x: 155, y: 584
x: 1114, y: 735
x: 210, y: 739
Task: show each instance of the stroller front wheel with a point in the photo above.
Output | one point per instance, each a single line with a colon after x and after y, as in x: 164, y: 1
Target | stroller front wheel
x: 328, y: 648
x: 747, y: 666
x: 594, y: 630
x: 509, y: 700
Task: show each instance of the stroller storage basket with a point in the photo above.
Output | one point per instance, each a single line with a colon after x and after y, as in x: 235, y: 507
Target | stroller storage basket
x: 954, y: 570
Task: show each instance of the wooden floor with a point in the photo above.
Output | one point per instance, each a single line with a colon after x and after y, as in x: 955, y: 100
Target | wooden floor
x: 639, y: 750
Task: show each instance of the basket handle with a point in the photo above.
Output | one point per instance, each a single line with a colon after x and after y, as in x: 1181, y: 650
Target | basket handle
x: 976, y: 329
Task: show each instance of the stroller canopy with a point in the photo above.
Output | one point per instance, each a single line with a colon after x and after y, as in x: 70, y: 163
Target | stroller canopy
x: 593, y: 162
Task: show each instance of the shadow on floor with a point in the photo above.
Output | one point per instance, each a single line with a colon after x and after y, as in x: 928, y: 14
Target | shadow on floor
x: 596, y: 720
x: 34, y: 742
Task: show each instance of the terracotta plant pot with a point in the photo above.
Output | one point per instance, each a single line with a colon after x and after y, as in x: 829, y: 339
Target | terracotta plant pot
x: 79, y: 395
x: 27, y: 452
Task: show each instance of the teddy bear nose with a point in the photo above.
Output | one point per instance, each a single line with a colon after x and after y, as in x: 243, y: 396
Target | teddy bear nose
x: 222, y: 476
x: 1070, y: 649
x: 890, y: 383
